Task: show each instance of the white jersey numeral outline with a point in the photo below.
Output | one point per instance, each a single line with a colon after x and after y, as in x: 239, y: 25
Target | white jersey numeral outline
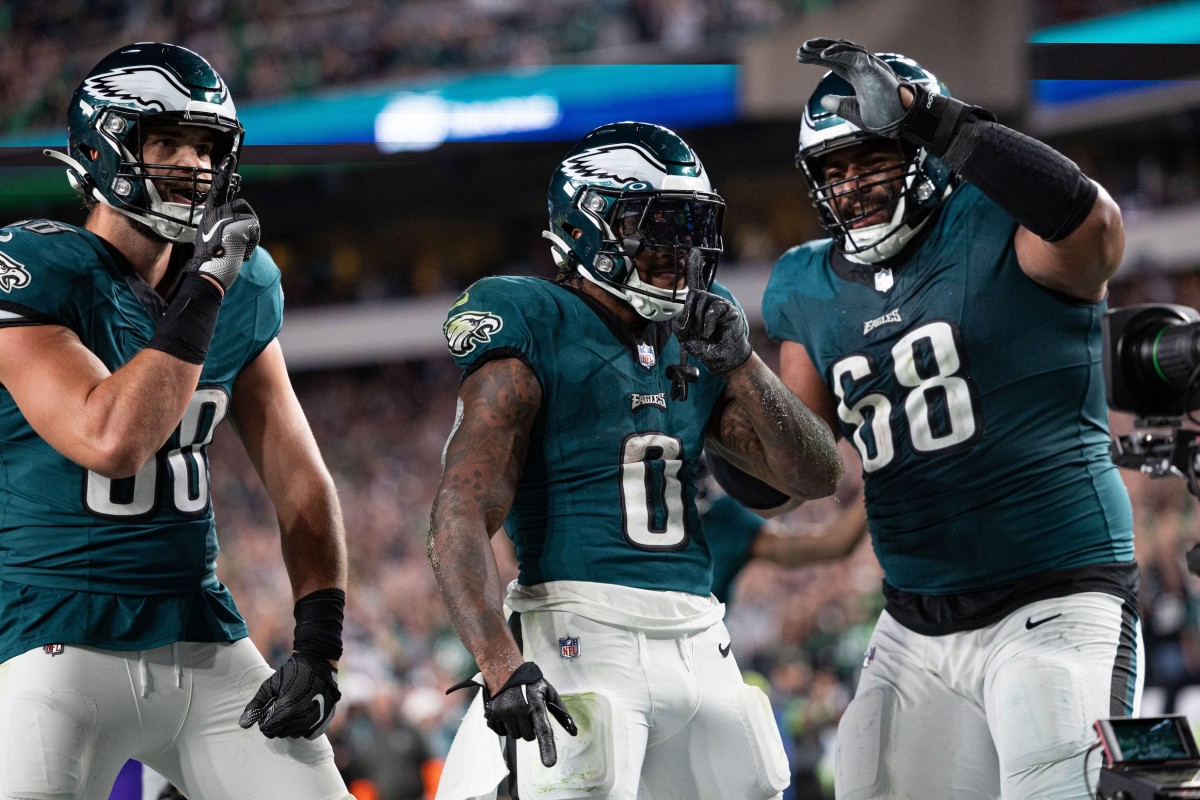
x: 186, y: 466
x: 651, y: 492
x: 940, y: 403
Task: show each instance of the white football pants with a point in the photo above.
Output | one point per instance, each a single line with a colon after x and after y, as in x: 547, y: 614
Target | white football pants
x: 1005, y: 711
x: 659, y: 718
x: 68, y: 722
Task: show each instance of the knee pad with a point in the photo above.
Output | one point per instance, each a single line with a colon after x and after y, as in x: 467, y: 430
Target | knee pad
x: 858, y: 763
x: 772, y: 773
x: 585, y: 766
x: 1041, y: 714
x: 48, y: 738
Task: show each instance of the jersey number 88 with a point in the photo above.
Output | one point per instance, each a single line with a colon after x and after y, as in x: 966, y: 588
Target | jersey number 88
x: 186, y: 465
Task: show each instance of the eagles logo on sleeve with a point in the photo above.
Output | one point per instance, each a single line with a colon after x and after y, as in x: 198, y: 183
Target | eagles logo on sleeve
x: 13, y: 274
x: 466, y: 330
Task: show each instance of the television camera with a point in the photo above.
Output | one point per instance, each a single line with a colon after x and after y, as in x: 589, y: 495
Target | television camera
x: 1152, y: 370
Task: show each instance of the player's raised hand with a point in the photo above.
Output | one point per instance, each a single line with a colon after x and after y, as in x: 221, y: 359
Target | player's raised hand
x: 228, y: 230
x: 876, y: 105
x: 710, y: 327
x: 298, y: 700
x: 519, y: 710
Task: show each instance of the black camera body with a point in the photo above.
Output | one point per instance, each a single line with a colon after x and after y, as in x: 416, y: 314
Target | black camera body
x: 1152, y: 370
x: 1151, y: 356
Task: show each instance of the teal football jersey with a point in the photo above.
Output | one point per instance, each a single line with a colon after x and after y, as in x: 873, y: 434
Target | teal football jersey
x: 976, y: 399
x: 730, y: 529
x: 606, y: 494
x: 130, y: 563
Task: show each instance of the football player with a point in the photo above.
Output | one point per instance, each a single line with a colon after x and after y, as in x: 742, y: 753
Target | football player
x: 950, y: 327
x: 123, y: 346
x: 581, y: 422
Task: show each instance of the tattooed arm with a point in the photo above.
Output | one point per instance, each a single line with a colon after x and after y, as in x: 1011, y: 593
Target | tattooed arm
x: 482, y: 467
x: 762, y: 427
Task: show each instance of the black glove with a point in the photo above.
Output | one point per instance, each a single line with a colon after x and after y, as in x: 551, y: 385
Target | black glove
x: 876, y: 105
x: 298, y: 700
x: 228, y: 230
x: 710, y: 327
x: 518, y: 710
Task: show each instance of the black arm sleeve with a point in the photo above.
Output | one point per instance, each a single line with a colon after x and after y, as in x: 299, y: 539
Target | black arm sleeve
x: 1040, y: 187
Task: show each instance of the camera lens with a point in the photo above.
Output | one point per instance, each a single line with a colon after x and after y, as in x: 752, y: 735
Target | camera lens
x: 1151, y: 355
x: 1167, y: 355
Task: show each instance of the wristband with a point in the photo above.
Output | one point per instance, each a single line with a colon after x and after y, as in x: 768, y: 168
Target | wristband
x: 187, y: 326
x: 933, y: 120
x: 319, y: 616
x: 1040, y: 187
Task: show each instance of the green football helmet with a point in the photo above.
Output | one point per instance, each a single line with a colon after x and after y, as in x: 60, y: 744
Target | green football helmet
x: 631, y: 188
x: 141, y: 85
x: 925, y: 181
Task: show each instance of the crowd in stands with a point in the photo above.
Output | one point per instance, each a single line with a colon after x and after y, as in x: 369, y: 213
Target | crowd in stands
x: 801, y: 632
x: 273, y: 48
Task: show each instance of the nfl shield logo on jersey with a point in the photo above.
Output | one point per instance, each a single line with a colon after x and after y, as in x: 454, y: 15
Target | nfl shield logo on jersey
x: 868, y: 656
x: 568, y: 647
x: 53, y: 649
x: 646, y: 355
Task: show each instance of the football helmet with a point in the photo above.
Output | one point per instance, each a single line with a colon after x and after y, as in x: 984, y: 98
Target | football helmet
x: 141, y: 85
x: 923, y: 184
x: 627, y: 189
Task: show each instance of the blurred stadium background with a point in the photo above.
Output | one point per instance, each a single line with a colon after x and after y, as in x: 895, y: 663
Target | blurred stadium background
x: 399, y: 149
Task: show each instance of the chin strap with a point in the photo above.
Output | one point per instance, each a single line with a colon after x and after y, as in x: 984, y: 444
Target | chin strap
x: 559, y: 250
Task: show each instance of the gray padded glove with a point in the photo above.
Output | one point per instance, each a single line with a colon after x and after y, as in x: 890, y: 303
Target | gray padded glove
x: 228, y: 230
x: 876, y: 105
x: 710, y: 327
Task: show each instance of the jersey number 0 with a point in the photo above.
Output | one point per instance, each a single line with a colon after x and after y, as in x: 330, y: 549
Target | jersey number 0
x: 651, y: 492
